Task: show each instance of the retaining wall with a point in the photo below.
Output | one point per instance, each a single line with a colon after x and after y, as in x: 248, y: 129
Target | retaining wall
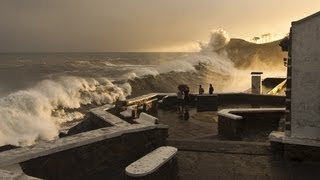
x: 252, y: 124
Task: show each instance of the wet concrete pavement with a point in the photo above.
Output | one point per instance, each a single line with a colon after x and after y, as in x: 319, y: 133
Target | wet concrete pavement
x: 208, y: 165
x: 186, y: 129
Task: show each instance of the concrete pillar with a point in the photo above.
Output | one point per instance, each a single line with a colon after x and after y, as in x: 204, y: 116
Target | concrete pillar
x: 256, y: 82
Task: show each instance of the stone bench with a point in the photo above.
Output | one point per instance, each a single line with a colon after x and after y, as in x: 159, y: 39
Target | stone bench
x: 159, y: 164
x: 147, y: 119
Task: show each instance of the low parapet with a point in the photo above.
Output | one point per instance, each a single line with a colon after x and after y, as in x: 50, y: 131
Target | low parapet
x: 236, y: 124
x: 18, y: 155
x: 232, y: 113
x: 108, y: 117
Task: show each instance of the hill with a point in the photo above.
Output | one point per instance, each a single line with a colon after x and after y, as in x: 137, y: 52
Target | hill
x: 246, y: 54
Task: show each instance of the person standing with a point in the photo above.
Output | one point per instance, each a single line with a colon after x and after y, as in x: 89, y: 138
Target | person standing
x: 186, y: 104
x: 211, y: 89
x: 201, y: 90
x: 186, y: 96
x: 180, y: 97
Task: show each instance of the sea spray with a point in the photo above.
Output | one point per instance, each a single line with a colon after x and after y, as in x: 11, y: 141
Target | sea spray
x: 212, y: 54
x: 217, y: 41
x: 36, y: 113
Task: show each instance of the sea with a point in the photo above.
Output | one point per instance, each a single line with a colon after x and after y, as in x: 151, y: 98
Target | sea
x: 42, y: 92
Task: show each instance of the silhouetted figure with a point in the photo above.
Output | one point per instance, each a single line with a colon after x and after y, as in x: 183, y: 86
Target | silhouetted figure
x: 211, y: 89
x: 186, y: 96
x: 180, y: 97
x: 201, y: 90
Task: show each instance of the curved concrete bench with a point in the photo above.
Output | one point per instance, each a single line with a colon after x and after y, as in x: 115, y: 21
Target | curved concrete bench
x: 147, y: 119
x: 151, y: 162
x: 233, y: 126
x: 229, y: 113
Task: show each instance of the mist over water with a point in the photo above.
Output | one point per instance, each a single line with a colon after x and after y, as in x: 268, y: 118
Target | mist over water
x: 40, y: 92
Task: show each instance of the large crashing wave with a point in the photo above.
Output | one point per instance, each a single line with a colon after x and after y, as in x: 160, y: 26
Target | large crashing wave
x: 36, y: 114
x: 218, y: 40
x: 210, y: 66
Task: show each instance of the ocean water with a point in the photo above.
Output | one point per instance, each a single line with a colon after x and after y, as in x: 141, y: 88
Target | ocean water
x: 40, y: 92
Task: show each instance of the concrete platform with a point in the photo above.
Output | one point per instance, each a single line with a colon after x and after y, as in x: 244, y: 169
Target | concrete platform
x: 202, y: 156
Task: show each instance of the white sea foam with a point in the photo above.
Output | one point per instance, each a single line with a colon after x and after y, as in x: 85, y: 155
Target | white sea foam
x: 217, y: 41
x: 36, y: 113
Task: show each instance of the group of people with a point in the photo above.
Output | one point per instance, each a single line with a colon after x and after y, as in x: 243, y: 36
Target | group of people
x: 201, y: 90
x: 183, y: 99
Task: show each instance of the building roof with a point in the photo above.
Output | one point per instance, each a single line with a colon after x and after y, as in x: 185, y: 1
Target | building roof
x: 306, y: 18
x: 285, y: 44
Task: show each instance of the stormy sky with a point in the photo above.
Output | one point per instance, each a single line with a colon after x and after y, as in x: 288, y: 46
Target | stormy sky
x: 138, y: 25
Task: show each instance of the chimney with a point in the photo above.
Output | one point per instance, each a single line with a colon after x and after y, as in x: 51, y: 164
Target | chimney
x: 256, y: 82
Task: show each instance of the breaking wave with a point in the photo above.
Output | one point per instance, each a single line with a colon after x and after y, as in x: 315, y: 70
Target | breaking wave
x: 37, y: 113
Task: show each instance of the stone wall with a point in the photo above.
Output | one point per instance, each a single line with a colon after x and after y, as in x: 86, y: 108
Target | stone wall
x: 229, y: 128
x: 91, y: 123
x: 208, y: 102
x: 212, y: 102
x: 301, y: 153
x: 249, y: 125
x: 104, y: 159
x: 251, y: 99
x: 305, y: 102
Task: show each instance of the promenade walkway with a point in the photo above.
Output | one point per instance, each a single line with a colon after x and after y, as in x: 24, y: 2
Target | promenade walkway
x: 192, y: 128
x: 202, y: 157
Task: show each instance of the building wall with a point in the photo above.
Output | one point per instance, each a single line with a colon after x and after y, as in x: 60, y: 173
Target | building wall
x: 305, y: 102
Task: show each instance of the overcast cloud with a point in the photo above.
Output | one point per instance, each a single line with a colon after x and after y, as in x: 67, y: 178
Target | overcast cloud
x: 138, y: 25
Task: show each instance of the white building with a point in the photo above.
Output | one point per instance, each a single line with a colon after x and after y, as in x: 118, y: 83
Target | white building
x: 303, y: 84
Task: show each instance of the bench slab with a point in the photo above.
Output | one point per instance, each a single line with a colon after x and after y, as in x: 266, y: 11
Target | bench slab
x: 151, y: 162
